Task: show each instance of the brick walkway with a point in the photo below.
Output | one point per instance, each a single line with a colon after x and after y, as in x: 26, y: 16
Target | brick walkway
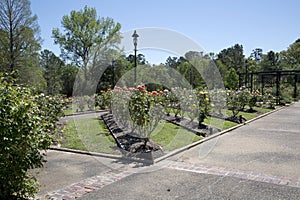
x: 87, y: 185
x: 221, y: 171
x: 97, y: 182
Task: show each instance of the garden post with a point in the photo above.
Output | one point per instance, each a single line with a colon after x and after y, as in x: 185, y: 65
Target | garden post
x: 262, y: 84
x: 295, y: 85
x: 278, y: 74
x: 251, y: 82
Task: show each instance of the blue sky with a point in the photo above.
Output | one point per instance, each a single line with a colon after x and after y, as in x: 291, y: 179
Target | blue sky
x: 213, y: 24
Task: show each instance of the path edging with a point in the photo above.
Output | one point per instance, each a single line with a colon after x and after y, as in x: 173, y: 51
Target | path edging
x: 86, y: 152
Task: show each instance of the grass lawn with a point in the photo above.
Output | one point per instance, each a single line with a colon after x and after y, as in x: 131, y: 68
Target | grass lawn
x: 172, y: 137
x: 89, y: 134
x: 219, y: 123
x: 68, y: 112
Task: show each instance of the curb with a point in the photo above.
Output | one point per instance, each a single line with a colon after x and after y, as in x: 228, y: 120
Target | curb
x: 177, y: 151
x: 86, y: 152
x: 104, y: 155
x: 86, y: 112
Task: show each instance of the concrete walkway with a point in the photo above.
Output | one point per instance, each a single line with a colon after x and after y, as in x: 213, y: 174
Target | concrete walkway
x: 260, y: 160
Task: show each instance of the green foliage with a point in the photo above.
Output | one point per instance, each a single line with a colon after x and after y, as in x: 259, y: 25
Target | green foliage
x: 144, y: 111
x: 269, y: 100
x: 19, y: 30
x: 171, y: 137
x: 24, y: 132
x: 233, y: 102
x: 218, y: 100
x: 290, y: 59
x: 88, y: 134
x: 203, y: 106
x: 231, y: 80
x: 103, y: 100
x: 253, y: 98
x: 27, y: 123
x: 232, y: 57
x: 52, y: 71
x: 84, y: 30
x: 68, y: 76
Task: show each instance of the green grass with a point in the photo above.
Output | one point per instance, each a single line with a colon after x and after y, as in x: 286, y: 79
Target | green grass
x: 91, y: 134
x: 88, y: 134
x: 68, y: 112
x: 171, y: 137
x: 219, y: 123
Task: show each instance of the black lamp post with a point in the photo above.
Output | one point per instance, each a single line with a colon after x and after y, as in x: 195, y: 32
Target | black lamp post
x: 246, y: 79
x: 112, y: 73
x: 135, y: 37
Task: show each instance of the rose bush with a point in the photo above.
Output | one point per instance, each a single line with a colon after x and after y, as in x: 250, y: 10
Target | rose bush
x: 204, y: 106
x: 26, y: 123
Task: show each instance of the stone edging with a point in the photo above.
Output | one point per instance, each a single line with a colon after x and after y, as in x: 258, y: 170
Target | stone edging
x: 86, y: 152
x: 86, y: 112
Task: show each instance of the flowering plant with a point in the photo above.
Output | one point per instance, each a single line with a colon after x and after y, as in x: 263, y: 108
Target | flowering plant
x: 204, y: 106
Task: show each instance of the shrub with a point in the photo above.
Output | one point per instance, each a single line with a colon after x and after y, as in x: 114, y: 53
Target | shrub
x: 253, y: 98
x: 233, y: 102
x: 243, y: 96
x: 24, y: 132
x: 218, y: 100
x: 204, y: 106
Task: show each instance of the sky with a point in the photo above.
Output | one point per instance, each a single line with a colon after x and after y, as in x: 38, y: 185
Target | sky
x: 212, y: 24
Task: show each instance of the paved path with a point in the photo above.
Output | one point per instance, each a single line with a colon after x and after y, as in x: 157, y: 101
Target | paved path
x: 260, y: 160
x: 270, y: 145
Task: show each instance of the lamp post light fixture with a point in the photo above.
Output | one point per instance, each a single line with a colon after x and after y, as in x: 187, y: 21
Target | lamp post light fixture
x: 246, y: 78
x: 113, y: 73
x: 135, y: 38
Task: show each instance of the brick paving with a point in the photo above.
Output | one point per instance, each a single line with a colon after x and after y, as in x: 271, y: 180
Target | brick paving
x: 248, y: 175
x: 97, y: 182
x: 85, y: 186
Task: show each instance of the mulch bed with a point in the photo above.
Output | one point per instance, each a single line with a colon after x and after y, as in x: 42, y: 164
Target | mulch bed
x: 132, y: 144
x: 129, y: 143
x: 204, y: 130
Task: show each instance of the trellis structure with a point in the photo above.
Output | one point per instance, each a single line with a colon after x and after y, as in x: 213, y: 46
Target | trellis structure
x: 263, y: 81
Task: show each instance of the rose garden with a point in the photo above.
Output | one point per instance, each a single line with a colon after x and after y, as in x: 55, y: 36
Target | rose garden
x: 89, y: 98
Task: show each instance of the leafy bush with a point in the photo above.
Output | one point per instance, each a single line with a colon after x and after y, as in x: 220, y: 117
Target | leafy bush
x: 234, y: 102
x: 24, y: 132
x: 243, y: 96
x: 269, y: 100
x: 204, y: 106
x: 26, y: 124
x: 144, y: 110
x: 253, y: 98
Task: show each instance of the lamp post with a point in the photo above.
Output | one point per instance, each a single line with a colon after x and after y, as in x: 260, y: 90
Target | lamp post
x: 246, y: 79
x: 135, y: 37
x: 112, y: 73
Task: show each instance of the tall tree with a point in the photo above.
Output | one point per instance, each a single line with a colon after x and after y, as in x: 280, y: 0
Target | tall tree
x: 68, y: 77
x: 257, y: 55
x: 172, y: 62
x: 270, y: 61
x: 291, y: 57
x: 19, y: 32
x: 88, y: 42
x: 53, y: 68
x: 84, y: 30
x: 233, y: 57
x: 231, y: 79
